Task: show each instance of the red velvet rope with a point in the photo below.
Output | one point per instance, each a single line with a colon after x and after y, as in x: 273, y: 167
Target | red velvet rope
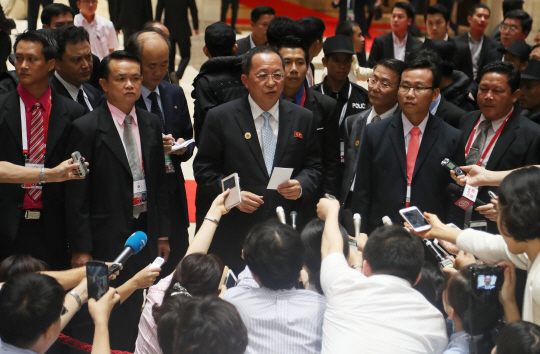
x: 82, y: 346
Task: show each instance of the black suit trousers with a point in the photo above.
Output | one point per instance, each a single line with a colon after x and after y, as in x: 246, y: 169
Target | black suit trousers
x: 184, y: 44
x: 33, y: 11
x: 234, y: 7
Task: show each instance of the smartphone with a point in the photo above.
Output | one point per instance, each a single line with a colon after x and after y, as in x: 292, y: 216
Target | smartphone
x: 450, y: 166
x: 230, y: 280
x: 492, y: 195
x: 82, y: 170
x: 158, y: 262
x: 415, y: 218
x: 98, y: 279
x: 353, y: 244
x: 231, y: 182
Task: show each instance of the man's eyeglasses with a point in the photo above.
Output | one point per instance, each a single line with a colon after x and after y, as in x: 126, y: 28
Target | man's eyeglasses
x: 373, y: 82
x: 508, y: 28
x: 417, y: 90
x: 265, y: 77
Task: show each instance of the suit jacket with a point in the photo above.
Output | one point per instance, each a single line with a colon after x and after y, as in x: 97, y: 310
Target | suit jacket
x: 381, y: 179
x: 176, y: 17
x: 517, y: 146
x: 93, y: 94
x: 132, y: 14
x: 493, y: 55
x: 383, y: 47
x: 465, y: 62
x: 449, y: 112
x: 63, y: 112
x: 229, y: 144
x: 178, y: 123
x: 99, y: 211
x: 244, y: 44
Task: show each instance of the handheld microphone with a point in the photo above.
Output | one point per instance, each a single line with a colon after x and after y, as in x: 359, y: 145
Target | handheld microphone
x: 386, y: 221
x: 443, y: 262
x: 293, y: 219
x: 281, y: 215
x: 357, y: 222
x: 466, y: 196
x: 134, y: 244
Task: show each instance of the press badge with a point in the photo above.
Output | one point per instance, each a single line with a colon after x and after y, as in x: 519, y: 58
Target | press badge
x: 342, y: 150
x: 139, y: 192
x: 169, y: 167
x: 32, y: 185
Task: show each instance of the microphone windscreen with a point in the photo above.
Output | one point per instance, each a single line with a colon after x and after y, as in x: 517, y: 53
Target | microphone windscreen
x: 347, y: 221
x: 137, y: 241
x: 454, y: 190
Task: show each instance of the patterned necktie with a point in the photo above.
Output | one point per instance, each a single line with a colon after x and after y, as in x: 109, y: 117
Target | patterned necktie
x: 412, y: 152
x: 133, y: 158
x: 269, y: 142
x: 477, y: 147
x: 157, y: 111
x: 82, y: 101
x: 37, y: 144
x: 376, y: 118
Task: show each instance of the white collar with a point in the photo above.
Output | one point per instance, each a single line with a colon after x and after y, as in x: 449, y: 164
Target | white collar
x: 407, y: 125
x: 385, y: 114
x: 251, y: 42
x: 397, y: 41
x: 72, y: 89
x: 496, y: 124
x: 256, y: 111
x: 446, y: 38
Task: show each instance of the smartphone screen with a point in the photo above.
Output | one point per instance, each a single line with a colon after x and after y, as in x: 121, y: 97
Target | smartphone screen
x: 231, y: 280
x: 229, y: 183
x: 415, y: 218
x: 98, y: 280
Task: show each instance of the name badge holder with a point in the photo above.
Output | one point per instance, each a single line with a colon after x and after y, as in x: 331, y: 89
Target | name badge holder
x: 169, y: 167
x: 140, y: 194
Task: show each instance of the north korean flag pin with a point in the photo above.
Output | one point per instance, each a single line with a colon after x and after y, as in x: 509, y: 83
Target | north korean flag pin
x: 357, y: 143
x: 247, y: 135
x: 298, y: 135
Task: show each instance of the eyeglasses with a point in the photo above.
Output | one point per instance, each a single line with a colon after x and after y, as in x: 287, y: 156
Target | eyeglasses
x: 508, y: 28
x: 373, y: 82
x: 417, y: 90
x: 265, y: 77
x: 91, y: 2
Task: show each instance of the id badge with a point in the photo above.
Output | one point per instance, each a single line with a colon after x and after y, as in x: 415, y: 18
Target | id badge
x: 32, y: 185
x: 350, y: 14
x: 169, y: 167
x: 342, y: 150
x: 139, y: 192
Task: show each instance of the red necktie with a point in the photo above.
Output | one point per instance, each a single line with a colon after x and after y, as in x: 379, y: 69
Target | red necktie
x: 37, y: 144
x: 412, y: 152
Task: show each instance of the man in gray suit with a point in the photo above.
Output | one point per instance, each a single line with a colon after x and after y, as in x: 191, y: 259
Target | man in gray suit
x: 382, y: 90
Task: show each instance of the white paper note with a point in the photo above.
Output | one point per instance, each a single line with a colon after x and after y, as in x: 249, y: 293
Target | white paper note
x: 177, y: 146
x: 279, y: 176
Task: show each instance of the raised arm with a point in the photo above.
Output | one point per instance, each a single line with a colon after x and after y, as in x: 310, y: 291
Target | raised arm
x: 332, y: 242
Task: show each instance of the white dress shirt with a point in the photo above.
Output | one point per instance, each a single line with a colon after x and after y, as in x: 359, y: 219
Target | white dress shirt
x: 278, y: 321
x: 102, y: 34
x: 251, y: 42
x: 407, y: 127
x: 256, y: 111
x: 495, y: 125
x: 148, y: 102
x: 384, y: 115
x: 73, y: 90
x: 475, y: 47
x: 399, y: 47
x: 376, y: 314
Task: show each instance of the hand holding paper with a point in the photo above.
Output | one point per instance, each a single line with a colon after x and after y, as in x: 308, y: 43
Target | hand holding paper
x: 183, y: 145
x: 279, y: 175
x: 290, y: 189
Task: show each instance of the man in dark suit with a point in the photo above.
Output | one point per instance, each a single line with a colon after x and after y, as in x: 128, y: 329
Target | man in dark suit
x: 176, y: 20
x: 131, y: 15
x: 400, y: 158
x: 33, y: 219
x: 74, y: 67
x: 382, y: 89
x: 251, y: 136
x: 168, y: 102
x: 358, y: 10
x: 261, y: 16
x: 497, y: 137
x: 398, y: 42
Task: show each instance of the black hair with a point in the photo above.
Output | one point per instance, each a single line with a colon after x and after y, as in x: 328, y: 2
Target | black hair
x: 135, y: 46
x: 392, y: 64
x: 279, y: 28
x: 219, y: 44
x: 275, y: 253
x: 20, y: 264
x: 509, y: 5
x: 513, y: 76
x: 519, y: 337
x: 69, y: 34
x: 409, y: 9
x: 524, y: 18
x: 257, y: 12
x: 431, y: 284
x: 424, y: 63
x: 346, y: 28
x: 472, y: 9
x: 53, y: 10
x: 294, y: 42
x: 248, y: 57
x: 311, y: 29
x: 105, y: 65
x: 394, y: 251
x: 29, y: 304
x: 438, y: 52
x: 312, y: 238
x: 519, y: 204
x: 201, y: 326
x: 50, y: 48
x: 438, y: 9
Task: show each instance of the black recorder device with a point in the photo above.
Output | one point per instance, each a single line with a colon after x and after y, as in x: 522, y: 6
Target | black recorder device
x: 452, y: 167
x: 486, y: 277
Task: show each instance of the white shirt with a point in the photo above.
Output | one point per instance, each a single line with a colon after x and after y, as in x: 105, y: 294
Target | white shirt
x: 384, y: 115
x: 278, y: 321
x: 492, y: 248
x: 73, y: 90
x: 11, y: 349
x: 256, y: 111
x: 495, y: 125
x: 102, y: 34
x: 399, y: 47
x: 251, y: 42
x: 148, y: 102
x: 407, y: 127
x: 376, y: 314
x: 475, y: 48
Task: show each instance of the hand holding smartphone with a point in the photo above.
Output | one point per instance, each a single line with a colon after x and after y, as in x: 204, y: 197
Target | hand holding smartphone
x: 415, y: 218
x: 231, y: 182
x: 97, y: 278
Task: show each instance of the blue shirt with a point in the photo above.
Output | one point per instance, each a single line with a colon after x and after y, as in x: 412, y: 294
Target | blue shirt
x: 459, y: 343
x: 298, y: 96
x: 11, y: 349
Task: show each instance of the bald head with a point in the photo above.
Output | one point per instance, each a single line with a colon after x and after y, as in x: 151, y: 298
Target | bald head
x: 153, y: 51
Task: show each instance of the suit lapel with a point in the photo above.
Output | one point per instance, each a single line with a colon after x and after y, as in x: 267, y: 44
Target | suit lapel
x: 59, y: 87
x: 58, y: 123
x: 167, y: 104
x: 146, y: 133
x: 398, y: 142
x: 111, y: 137
x: 430, y: 136
x: 390, y: 45
x: 284, y: 131
x: 12, y: 116
x: 504, y: 141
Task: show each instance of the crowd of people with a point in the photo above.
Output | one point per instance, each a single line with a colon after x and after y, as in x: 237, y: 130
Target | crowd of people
x: 315, y: 279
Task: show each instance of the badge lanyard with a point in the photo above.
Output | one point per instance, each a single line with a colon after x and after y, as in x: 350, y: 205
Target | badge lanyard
x: 469, y: 143
x: 344, y: 106
x: 24, y: 128
x: 304, y: 98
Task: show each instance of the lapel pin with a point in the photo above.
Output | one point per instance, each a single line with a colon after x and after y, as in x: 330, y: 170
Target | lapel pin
x: 247, y: 135
x: 298, y: 135
x: 357, y: 143
x: 175, y: 107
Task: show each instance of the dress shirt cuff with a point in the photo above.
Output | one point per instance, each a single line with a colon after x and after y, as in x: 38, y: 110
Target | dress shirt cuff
x: 163, y: 239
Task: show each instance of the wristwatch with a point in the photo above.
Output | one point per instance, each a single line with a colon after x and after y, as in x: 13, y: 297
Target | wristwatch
x: 42, y: 175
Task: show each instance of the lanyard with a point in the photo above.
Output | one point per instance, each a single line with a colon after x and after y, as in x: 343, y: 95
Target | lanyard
x: 469, y: 143
x: 344, y: 106
x: 23, y: 123
x: 303, y: 98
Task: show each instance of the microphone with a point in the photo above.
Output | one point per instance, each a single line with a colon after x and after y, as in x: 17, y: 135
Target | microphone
x: 281, y: 215
x: 134, y: 244
x: 293, y: 219
x: 443, y: 262
x: 357, y: 222
x: 386, y: 221
x: 465, y: 196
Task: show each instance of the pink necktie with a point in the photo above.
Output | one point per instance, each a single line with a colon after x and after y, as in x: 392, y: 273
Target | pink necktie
x: 412, y: 152
x: 37, y: 144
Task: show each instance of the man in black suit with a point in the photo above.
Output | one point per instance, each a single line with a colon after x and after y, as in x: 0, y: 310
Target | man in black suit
x: 176, y: 20
x: 251, y: 136
x: 497, y: 137
x: 234, y: 12
x: 131, y: 15
x: 398, y: 42
x: 168, y: 102
x: 74, y: 67
x: 33, y: 220
x: 382, y: 89
x: 400, y: 157
x: 311, y: 31
x: 261, y: 16
x: 126, y: 144
x: 358, y: 10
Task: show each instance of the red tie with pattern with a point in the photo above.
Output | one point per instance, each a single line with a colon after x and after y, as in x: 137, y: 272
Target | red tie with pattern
x: 412, y: 152
x: 37, y: 144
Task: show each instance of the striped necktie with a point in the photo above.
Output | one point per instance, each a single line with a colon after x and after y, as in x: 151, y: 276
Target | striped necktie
x: 37, y: 144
